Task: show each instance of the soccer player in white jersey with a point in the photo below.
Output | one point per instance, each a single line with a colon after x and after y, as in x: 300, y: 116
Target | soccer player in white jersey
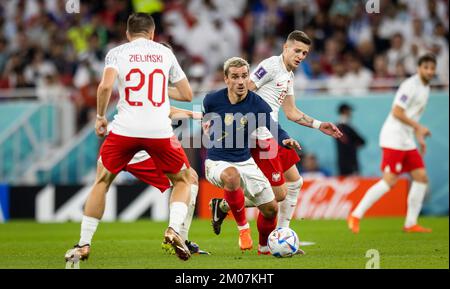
x: 143, y: 69
x: 273, y: 80
x: 400, y: 154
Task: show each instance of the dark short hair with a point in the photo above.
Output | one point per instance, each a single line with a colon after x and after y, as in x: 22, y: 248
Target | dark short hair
x: 427, y: 58
x: 300, y: 36
x: 344, y: 107
x: 140, y: 23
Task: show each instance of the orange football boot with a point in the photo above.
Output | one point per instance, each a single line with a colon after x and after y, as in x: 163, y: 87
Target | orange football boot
x: 353, y: 224
x: 245, y: 239
x: 416, y: 229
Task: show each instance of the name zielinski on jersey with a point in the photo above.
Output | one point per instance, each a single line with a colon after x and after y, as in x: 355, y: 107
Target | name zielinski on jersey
x: 156, y: 58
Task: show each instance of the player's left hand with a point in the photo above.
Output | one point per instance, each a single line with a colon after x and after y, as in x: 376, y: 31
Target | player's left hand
x: 330, y: 129
x: 291, y: 143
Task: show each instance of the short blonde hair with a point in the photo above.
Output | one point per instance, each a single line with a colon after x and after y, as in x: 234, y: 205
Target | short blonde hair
x: 234, y: 62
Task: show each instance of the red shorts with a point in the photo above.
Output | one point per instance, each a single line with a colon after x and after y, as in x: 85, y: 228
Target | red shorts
x: 167, y: 154
x: 398, y: 162
x: 147, y: 172
x: 273, y: 167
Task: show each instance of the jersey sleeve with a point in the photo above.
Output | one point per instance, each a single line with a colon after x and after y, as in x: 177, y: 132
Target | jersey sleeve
x: 111, y: 60
x: 290, y: 90
x: 264, y: 110
x: 175, y: 73
x: 405, y: 95
x: 262, y: 74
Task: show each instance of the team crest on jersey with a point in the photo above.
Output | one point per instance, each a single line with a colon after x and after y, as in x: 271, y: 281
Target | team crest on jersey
x: 260, y: 72
x: 276, y: 176
x: 229, y: 119
x: 244, y: 121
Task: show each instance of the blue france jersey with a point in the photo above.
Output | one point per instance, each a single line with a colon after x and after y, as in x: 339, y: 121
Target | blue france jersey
x: 232, y: 124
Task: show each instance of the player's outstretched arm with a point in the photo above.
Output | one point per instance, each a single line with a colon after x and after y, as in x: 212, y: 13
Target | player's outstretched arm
x: 421, y: 131
x: 182, y: 91
x: 103, y: 95
x: 178, y: 113
x: 297, y: 116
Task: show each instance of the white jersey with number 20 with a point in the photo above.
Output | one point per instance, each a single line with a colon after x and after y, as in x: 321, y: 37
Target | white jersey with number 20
x: 144, y: 70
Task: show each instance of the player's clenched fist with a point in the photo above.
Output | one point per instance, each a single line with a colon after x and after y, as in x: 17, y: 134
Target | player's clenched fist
x: 101, y: 125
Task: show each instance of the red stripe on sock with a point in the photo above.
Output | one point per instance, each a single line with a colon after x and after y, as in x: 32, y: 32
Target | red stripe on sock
x: 236, y: 202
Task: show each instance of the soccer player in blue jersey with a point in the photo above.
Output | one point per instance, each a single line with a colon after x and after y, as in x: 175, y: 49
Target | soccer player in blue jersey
x: 231, y: 115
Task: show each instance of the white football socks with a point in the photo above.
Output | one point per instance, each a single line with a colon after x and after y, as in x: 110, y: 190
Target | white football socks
x: 372, y: 195
x: 288, y: 205
x: 415, y: 200
x: 177, y: 215
x: 184, y: 231
x: 246, y: 226
x: 88, y: 228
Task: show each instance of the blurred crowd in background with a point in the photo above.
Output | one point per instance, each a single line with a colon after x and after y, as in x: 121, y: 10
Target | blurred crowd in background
x: 60, y: 55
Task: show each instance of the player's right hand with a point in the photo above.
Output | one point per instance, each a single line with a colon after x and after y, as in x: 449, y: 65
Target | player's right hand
x: 422, y: 131
x: 101, y: 125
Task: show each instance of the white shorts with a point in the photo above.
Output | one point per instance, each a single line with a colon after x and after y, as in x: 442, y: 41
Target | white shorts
x: 255, y: 185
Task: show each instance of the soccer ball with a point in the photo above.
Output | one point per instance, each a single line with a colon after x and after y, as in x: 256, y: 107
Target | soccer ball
x: 283, y: 242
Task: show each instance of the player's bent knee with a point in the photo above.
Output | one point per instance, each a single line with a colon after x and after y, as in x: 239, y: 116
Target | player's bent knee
x: 104, y: 177
x: 422, y: 178
x: 269, y: 210
x: 390, y: 179
x: 231, y: 178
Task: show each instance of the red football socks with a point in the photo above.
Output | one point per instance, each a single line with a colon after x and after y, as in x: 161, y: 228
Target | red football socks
x: 265, y: 227
x: 236, y: 202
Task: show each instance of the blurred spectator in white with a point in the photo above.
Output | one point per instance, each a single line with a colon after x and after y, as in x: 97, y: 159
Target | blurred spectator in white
x: 214, y: 81
x: 336, y: 83
x: 39, y: 68
x: 392, y: 23
x: 358, y: 78
x: 417, y: 43
x: 176, y: 26
x: 197, y: 73
x: 49, y: 88
x: 87, y: 67
x: 230, y: 36
x: 397, y: 53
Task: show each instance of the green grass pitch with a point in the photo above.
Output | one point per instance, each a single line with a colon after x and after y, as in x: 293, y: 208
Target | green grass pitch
x: 138, y: 245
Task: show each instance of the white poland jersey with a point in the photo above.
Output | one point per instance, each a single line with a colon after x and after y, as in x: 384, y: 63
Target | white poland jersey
x: 144, y: 70
x: 273, y: 82
x: 412, y: 96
